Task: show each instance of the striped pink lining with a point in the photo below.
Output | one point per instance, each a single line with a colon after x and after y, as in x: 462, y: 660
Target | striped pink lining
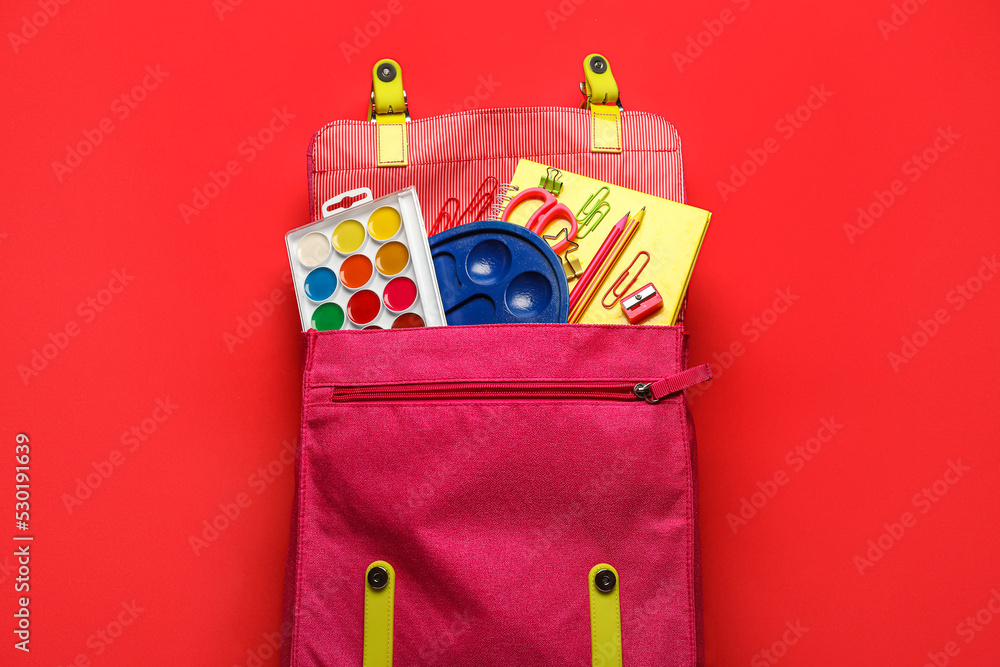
x: 451, y: 155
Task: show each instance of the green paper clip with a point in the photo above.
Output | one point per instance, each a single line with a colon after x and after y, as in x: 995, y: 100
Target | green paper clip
x: 551, y: 181
x: 588, y: 220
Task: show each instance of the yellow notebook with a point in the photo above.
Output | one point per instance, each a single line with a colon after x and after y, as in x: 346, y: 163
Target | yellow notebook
x: 671, y: 234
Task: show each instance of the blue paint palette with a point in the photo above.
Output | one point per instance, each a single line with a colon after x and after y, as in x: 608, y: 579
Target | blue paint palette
x: 493, y: 272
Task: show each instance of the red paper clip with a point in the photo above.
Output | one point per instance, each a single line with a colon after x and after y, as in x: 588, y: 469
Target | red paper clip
x: 445, y: 216
x: 480, y: 202
x: 614, y: 291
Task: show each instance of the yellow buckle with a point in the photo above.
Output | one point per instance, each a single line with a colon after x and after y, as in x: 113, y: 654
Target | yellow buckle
x: 604, y: 102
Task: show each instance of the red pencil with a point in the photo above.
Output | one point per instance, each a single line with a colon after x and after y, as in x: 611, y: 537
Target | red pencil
x: 595, y: 264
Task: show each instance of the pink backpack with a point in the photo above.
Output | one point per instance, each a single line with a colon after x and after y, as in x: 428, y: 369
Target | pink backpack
x: 494, y: 495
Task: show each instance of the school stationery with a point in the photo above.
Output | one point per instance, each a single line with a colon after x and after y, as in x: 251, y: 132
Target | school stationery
x: 527, y: 491
x: 631, y: 273
x: 598, y: 260
x: 642, y: 303
x: 604, y: 268
x: 571, y: 264
x: 493, y: 272
x: 672, y: 235
x: 551, y: 211
x: 481, y: 202
x: 593, y: 211
x: 366, y: 267
x: 551, y: 181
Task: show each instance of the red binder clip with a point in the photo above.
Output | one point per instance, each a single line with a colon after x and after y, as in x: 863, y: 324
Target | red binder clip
x: 641, y: 303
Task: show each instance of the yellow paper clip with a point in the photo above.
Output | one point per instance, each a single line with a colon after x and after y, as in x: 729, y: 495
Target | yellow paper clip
x: 619, y: 293
x: 551, y: 181
x: 589, y: 219
x: 571, y: 265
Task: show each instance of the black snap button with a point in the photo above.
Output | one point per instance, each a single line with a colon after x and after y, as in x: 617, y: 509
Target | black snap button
x: 386, y: 72
x: 598, y: 65
x: 378, y: 577
x: 605, y: 580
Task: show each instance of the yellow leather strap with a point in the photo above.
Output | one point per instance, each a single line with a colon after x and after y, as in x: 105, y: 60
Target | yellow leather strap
x: 604, y: 102
x: 605, y: 616
x: 389, y: 111
x: 391, y: 140
x: 380, y: 588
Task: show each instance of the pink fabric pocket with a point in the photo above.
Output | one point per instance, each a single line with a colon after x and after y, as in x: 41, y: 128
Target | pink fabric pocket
x: 493, y: 467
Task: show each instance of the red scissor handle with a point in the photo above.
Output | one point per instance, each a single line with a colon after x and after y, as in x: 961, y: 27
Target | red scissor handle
x: 549, y: 212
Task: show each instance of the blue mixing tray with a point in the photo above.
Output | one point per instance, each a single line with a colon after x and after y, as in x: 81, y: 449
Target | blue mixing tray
x: 493, y: 272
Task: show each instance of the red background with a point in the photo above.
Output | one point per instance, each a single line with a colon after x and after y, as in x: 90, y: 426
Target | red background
x: 164, y: 336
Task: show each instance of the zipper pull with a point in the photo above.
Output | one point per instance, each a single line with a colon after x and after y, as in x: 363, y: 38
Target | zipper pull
x: 656, y: 391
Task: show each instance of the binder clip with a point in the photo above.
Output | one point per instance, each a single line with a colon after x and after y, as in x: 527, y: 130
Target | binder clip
x: 551, y: 181
x: 571, y: 265
x: 588, y: 218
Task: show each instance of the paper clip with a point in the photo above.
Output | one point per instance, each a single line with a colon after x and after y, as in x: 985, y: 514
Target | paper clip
x: 589, y: 220
x: 619, y: 293
x: 571, y: 265
x: 445, y: 216
x: 551, y: 181
x: 480, y: 202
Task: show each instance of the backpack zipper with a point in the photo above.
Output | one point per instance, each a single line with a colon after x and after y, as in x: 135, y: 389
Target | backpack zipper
x: 651, y: 392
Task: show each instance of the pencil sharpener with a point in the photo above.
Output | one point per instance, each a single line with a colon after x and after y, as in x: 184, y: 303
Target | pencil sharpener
x: 641, y: 303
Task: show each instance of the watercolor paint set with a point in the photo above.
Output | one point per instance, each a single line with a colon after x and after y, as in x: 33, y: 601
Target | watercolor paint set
x: 366, y: 267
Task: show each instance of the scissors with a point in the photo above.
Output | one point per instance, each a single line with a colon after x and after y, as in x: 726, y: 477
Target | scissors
x: 549, y: 212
